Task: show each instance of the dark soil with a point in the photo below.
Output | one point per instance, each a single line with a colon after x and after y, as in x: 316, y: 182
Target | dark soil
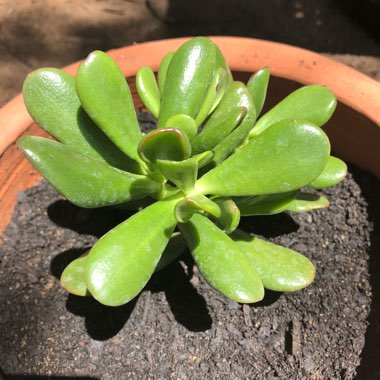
x: 179, y: 327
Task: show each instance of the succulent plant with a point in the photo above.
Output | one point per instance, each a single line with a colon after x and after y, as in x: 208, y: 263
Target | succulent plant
x: 210, y: 160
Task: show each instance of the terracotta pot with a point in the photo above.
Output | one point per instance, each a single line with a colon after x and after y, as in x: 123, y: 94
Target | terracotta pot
x: 354, y: 129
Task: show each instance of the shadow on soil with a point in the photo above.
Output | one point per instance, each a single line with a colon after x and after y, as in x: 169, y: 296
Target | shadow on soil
x: 187, y: 305
x: 103, y: 322
x: 89, y: 221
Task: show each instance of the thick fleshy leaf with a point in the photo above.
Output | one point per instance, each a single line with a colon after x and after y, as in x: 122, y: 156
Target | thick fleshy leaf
x: 334, y: 172
x: 231, y: 142
x: 221, y: 262
x: 285, y: 157
x: 213, y: 95
x: 162, y: 71
x: 304, y: 202
x: 186, y: 207
x: 220, y: 61
x: 173, y: 250
x: 267, y: 204
x: 281, y: 269
x: 104, y: 94
x: 147, y: 88
x: 230, y: 214
x: 184, y: 123
x: 72, y: 278
x: 215, y: 133
x: 257, y: 86
x: 313, y: 103
x: 271, y: 204
x: 136, y: 205
x: 166, y: 191
x: 204, y: 158
x: 51, y: 99
x: 182, y: 173
x: 123, y: 260
x: 164, y: 144
x: 187, y: 80
x: 235, y: 97
x: 82, y: 180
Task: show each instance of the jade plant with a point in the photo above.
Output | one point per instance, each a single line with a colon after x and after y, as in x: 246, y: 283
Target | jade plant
x: 211, y: 160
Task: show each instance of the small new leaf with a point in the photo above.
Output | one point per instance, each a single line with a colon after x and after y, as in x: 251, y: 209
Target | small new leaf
x: 213, y: 95
x: 162, y: 71
x: 147, y: 88
x: 186, y: 207
x: 229, y: 216
x: 213, y: 134
x: 164, y: 144
x: 182, y: 173
x: 257, y: 86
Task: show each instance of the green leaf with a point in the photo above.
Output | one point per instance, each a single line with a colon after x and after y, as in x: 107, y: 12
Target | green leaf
x: 72, y: 278
x: 230, y: 214
x: 280, y: 269
x: 257, y: 87
x: 162, y: 71
x: 304, y: 202
x: 51, y: 99
x: 82, y: 180
x: 123, y: 260
x: 204, y: 158
x: 173, y: 250
x: 267, y: 204
x: 215, y: 133
x: 219, y: 124
x: 136, y: 205
x: 333, y: 173
x: 231, y: 142
x: 164, y: 144
x: 182, y: 173
x: 271, y: 204
x: 285, y: 157
x: 313, y: 103
x: 186, y: 207
x: 184, y: 123
x: 220, y: 61
x: 147, y: 88
x: 187, y: 79
x: 213, y: 95
x: 226, y: 268
x: 104, y: 94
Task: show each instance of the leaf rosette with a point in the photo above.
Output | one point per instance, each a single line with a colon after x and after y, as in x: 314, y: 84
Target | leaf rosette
x: 211, y: 160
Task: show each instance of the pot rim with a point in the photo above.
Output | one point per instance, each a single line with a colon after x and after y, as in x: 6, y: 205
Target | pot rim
x: 351, y: 87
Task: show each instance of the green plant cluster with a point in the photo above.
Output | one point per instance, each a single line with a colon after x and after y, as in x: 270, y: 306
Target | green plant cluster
x: 211, y: 160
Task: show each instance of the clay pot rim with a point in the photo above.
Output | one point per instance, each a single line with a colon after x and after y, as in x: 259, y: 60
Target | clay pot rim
x: 354, y: 89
